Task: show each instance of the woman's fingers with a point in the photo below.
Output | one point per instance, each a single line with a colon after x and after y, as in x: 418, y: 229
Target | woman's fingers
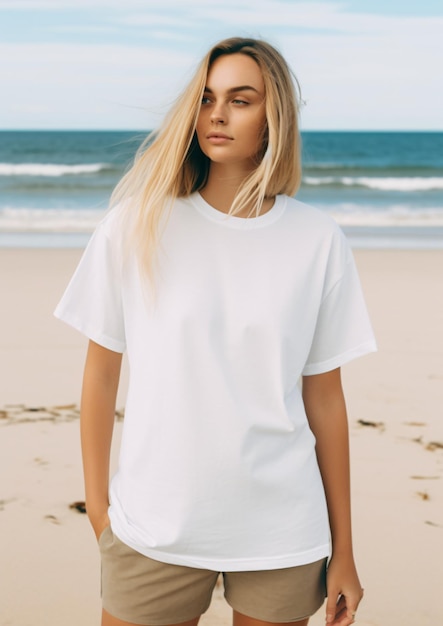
x: 342, y: 612
x: 334, y: 607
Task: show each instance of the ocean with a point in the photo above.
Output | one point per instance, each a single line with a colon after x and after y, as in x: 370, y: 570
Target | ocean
x: 385, y: 189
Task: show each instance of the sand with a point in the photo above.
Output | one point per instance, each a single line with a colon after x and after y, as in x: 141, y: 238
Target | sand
x: 49, y: 567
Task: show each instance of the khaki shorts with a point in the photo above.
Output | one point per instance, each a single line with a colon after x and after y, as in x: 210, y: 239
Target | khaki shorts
x: 140, y: 590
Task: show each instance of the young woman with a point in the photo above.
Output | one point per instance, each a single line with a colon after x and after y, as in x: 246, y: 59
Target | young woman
x: 236, y: 305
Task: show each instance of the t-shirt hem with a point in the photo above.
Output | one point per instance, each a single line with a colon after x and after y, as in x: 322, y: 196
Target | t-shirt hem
x: 91, y: 333
x: 233, y: 565
x: 339, y: 360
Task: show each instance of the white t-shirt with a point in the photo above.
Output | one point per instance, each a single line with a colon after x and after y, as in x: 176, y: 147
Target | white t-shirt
x: 217, y: 464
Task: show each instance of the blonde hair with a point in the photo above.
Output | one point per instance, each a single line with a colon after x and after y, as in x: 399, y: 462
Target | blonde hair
x: 170, y: 163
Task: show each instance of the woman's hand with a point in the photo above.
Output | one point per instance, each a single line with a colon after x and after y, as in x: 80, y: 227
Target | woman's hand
x: 344, y: 591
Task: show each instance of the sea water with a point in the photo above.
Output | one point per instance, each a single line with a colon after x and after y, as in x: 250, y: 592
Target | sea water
x: 385, y: 189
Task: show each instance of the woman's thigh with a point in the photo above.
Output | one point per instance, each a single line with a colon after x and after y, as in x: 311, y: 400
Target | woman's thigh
x: 238, y: 620
x: 244, y: 620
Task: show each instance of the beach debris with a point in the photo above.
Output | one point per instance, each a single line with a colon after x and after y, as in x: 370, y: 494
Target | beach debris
x: 22, y: 413
x: 431, y: 445
x: 423, y: 495
x: 371, y: 424
x: 65, y: 407
x: 3, y: 503
x: 433, y: 524
x: 19, y: 413
x: 119, y: 414
x: 415, y: 423
x: 79, y: 506
x: 425, y: 477
x: 39, y: 461
x: 53, y: 519
x: 6, y: 501
x: 434, y: 445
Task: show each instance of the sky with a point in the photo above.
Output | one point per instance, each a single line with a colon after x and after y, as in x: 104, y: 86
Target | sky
x: 119, y: 64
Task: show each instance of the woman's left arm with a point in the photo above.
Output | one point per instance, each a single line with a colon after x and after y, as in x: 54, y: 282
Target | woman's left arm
x: 326, y: 411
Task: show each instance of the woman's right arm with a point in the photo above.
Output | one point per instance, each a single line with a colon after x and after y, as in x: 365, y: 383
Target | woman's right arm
x: 99, y: 392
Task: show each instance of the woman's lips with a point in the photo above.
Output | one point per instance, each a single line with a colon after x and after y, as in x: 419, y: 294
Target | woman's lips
x: 218, y: 138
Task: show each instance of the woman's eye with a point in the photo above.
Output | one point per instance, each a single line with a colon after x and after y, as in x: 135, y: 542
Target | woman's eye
x: 238, y: 101
x: 205, y: 100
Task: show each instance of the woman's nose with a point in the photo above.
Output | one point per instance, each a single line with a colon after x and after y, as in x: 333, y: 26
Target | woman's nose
x: 218, y: 115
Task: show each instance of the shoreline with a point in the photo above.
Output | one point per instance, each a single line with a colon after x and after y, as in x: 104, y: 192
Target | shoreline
x: 361, y: 236
x: 394, y: 401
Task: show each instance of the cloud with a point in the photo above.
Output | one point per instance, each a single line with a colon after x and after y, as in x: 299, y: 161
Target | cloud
x: 165, y: 5
x: 150, y: 19
x: 92, y: 86
x: 82, y: 29
x: 384, y: 79
x: 231, y: 13
x: 357, y: 70
x: 60, y: 5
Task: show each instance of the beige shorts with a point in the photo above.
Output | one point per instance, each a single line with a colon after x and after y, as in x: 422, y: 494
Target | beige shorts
x: 141, y: 590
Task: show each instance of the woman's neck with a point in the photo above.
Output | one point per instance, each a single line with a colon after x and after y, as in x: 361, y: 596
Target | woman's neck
x: 222, y: 186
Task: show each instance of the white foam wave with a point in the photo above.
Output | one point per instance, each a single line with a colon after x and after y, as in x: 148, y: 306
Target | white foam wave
x: 29, y: 220
x: 394, y: 216
x: 399, y: 183
x: 16, y: 220
x: 49, y: 169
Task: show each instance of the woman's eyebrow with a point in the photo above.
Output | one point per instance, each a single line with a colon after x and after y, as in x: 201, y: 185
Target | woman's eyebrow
x: 232, y: 90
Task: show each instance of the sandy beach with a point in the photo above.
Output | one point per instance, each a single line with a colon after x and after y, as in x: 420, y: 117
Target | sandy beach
x: 49, y: 572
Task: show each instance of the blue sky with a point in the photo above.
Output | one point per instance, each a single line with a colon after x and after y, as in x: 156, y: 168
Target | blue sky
x: 118, y: 64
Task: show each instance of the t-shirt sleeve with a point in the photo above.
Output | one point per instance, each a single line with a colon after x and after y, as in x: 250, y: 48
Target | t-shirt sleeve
x: 343, y: 330
x: 92, y: 302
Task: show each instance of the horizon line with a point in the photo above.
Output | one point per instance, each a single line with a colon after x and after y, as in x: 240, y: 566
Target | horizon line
x: 141, y: 130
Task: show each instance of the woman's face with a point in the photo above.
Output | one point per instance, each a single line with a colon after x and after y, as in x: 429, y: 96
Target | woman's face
x: 232, y: 114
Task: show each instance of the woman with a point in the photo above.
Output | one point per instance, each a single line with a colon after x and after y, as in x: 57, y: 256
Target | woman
x: 226, y: 293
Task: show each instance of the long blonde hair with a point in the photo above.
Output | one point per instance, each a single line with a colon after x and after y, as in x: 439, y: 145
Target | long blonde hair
x: 170, y: 163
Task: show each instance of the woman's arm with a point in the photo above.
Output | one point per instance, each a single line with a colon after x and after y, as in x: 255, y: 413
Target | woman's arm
x: 99, y: 392
x: 326, y: 410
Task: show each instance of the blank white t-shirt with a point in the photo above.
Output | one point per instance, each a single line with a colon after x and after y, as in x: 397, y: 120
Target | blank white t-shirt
x: 217, y: 464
